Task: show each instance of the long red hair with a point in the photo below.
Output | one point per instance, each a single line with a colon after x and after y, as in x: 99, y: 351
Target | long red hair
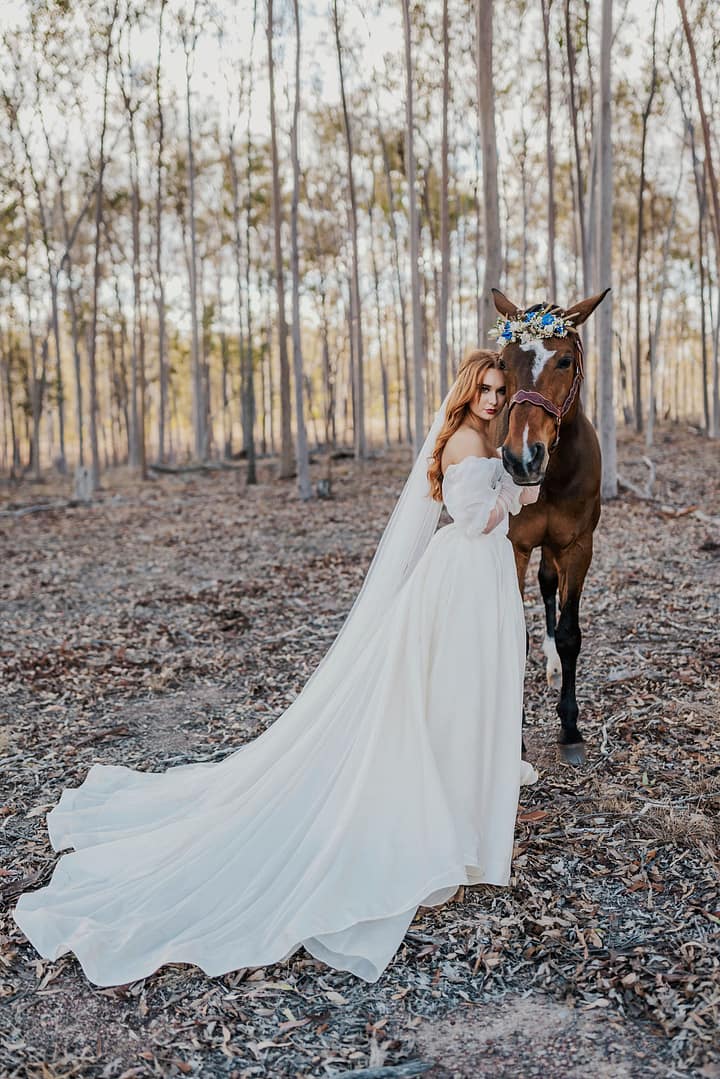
x: 465, y: 388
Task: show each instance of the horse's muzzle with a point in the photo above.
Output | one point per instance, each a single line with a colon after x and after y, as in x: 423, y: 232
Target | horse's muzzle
x: 528, y: 469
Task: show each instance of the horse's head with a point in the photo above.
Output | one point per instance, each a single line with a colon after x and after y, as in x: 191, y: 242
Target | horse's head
x: 543, y: 377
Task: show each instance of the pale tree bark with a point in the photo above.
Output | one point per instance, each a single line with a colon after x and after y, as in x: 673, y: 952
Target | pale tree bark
x: 579, y: 178
x: 137, y: 353
x: 637, y: 365
x: 606, y: 404
x: 248, y: 381
x: 378, y: 315
x: 700, y: 178
x: 190, y: 34
x: 92, y: 358
x: 360, y: 445
x: 444, y: 208
x: 159, y: 273
x: 486, y: 105
x: 712, y: 180
x: 327, y: 367
x: 287, y: 464
x: 244, y: 309
x: 74, y: 327
x: 418, y: 388
x: 549, y: 151
x: 36, y: 378
x: 303, y: 460
x: 657, y: 329
x: 398, y: 281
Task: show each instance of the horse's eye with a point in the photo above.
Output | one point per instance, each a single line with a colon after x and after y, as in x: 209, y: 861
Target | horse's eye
x: 564, y: 362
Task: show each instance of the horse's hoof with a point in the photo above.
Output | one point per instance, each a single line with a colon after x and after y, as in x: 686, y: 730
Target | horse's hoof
x: 574, y: 753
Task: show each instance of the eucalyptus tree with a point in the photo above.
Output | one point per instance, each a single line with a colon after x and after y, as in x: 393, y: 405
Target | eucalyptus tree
x: 647, y: 108
x: 606, y: 407
x: 546, y: 6
x: 189, y: 30
x: 712, y: 182
x: 444, y: 204
x: 287, y: 464
x: 414, y: 228
x: 303, y: 461
x: 108, y: 30
x: 491, y: 203
x: 159, y: 282
x: 358, y: 380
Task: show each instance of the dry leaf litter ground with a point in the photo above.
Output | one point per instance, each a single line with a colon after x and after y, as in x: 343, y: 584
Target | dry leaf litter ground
x: 172, y: 621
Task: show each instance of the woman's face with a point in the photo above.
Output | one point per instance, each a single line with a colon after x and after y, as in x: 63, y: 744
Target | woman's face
x: 490, y: 395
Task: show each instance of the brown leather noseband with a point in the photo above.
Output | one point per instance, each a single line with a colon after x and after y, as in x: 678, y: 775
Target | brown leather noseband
x: 532, y: 397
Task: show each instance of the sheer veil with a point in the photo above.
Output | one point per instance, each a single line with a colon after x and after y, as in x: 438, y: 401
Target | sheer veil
x: 406, y: 536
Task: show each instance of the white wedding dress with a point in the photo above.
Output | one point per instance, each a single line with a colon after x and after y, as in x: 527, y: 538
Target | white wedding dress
x: 392, y: 779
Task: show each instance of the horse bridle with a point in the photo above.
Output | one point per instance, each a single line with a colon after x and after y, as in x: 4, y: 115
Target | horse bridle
x: 532, y: 397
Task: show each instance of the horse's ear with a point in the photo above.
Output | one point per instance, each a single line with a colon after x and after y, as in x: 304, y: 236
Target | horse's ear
x: 581, y: 311
x: 503, y: 305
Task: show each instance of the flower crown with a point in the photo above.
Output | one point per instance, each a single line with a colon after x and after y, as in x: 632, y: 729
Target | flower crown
x: 537, y: 322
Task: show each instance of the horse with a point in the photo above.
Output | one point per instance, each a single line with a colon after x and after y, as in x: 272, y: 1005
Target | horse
x: 550, y: 441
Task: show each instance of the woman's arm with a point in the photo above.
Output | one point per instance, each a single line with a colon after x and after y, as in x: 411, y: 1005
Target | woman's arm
x: 511, y: 499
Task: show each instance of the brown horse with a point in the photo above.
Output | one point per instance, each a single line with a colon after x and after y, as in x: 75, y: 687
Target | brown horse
x: 549, y: 440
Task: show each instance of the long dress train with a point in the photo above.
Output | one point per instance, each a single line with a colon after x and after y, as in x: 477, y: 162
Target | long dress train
x: 365, y: 799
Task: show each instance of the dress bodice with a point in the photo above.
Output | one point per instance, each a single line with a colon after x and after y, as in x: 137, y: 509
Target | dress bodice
x: 470, y: 491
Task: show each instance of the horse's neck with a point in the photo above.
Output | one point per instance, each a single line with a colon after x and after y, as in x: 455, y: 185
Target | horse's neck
x: 567, y: 457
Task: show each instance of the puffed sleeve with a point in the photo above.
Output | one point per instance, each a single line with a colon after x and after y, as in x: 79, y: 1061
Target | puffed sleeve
x: 471, y: 490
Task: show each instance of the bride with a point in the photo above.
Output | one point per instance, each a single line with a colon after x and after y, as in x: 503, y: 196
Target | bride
x: 392, y: 778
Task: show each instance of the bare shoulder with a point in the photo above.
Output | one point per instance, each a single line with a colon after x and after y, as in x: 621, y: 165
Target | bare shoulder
x: 465, y: 442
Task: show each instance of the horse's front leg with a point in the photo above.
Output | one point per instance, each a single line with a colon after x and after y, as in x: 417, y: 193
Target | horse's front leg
x: 548, y: 580
x: 572, y: 566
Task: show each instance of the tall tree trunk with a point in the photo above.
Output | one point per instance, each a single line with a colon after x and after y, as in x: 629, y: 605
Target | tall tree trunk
x: 137, y: 455
x: 444, y: 208
x: 360, y: 445
x: 159, y: 276
x: 378, y: 315
x: 199, y: 402
x: 655, y: 335
x: 398, y: 282
x: 303, y: 459
x: 579, y: 179
x: 92, y: 358
x: 709, y: 164
x: 637, y: 366
x: 606, y: 405
x: 286, y: 450
x: 491, y: 203
x: 418, y: 359
x: 549, y: 151
x: 248, y: 386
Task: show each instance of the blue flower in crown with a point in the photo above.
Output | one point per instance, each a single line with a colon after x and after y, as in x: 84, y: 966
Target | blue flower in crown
x: 529, y: 316
x: 547, y: 320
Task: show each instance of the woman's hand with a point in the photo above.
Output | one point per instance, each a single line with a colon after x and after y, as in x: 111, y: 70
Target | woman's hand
x: 528, y: 495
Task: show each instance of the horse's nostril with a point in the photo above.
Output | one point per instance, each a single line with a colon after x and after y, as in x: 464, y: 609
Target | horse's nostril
x: 538, y: 452
x: 512, y: 464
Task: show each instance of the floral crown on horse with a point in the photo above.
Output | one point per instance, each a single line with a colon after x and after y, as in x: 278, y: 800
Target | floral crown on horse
x: 542, y: 320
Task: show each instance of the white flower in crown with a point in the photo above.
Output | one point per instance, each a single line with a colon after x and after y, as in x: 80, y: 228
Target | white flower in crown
x: 533, y: 324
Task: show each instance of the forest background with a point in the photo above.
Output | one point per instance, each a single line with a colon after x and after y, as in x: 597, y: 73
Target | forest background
x: 232, y: 229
